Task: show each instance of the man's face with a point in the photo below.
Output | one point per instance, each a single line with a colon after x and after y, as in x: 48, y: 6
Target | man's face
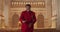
x: 27, y: 7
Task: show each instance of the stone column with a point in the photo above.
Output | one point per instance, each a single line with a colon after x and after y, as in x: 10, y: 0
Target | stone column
x: 54, y: 13
x: 5, y: 12
x: 58, y: 14
x: 49, y: 14
x: 1, y: 11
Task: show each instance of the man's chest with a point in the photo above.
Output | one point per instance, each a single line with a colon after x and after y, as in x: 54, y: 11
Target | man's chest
x: 28, y: 14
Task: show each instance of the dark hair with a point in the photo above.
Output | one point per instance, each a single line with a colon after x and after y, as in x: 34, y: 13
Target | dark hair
x: 28, y: 5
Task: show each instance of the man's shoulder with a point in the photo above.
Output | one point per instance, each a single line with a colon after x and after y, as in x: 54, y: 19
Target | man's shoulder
x: 23, y: 11
x: 33, y: 12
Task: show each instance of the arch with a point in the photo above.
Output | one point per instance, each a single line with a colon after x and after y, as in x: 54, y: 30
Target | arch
x: 15, y: 19
x: 40, y: 23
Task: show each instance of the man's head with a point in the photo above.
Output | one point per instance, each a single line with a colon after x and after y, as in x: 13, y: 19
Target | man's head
x: 28, y: 6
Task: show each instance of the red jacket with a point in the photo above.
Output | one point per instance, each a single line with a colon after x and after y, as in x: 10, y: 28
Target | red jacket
x: 29, y: 17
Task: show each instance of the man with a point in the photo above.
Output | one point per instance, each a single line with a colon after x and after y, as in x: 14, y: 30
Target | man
x: 27, y: 19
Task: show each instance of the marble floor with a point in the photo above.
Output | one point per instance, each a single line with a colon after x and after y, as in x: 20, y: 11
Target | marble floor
x: 35, y: 30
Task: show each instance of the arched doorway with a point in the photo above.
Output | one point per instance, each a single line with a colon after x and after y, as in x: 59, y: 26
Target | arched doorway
x: 15, y: 19
x: 40, y: 23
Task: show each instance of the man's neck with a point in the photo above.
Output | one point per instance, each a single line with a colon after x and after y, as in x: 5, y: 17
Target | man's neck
x: 28, y: 10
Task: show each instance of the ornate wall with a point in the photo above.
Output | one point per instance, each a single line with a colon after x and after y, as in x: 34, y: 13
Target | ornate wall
x: 42, y: 8
x: 38, y: 6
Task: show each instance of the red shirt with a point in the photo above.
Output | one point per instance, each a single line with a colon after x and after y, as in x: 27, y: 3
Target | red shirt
x: 29, y: 17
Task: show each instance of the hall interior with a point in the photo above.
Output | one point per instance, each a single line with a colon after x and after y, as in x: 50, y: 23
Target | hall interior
x: 45, y: 10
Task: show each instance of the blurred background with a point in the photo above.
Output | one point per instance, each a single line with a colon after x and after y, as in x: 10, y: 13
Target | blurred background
x: 47, y: 13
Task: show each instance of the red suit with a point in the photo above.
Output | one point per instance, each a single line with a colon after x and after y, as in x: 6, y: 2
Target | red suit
x: 30, y: 18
